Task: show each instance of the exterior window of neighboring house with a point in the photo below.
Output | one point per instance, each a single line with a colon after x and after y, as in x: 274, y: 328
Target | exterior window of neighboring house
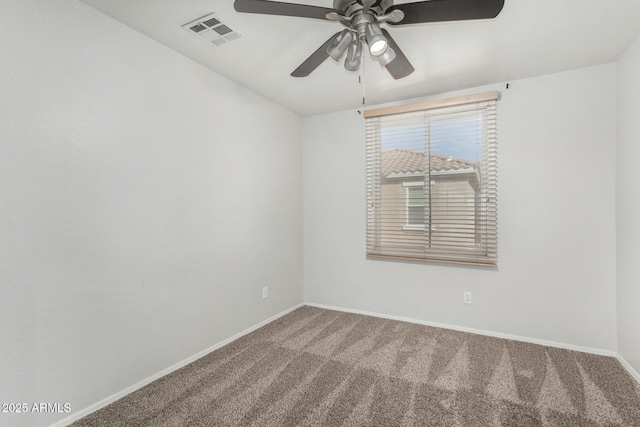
x: 414, y: 199
x: 431, y: 181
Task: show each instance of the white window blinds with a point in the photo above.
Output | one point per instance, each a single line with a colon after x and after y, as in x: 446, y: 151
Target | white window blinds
x: 431, y: 181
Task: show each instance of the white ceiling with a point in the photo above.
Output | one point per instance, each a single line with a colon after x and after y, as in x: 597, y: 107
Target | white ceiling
x: 528, y: 38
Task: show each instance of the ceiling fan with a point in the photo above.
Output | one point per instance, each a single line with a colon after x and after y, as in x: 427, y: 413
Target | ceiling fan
x: 362, y: 19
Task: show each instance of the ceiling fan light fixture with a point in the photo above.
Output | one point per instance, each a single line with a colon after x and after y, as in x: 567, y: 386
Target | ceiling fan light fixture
x: 388, y: 56
x: 340, y: 45
x: 352, y: 62
x: 375, y: 39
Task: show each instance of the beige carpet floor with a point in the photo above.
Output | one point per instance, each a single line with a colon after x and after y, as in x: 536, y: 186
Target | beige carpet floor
x: 317, y: 367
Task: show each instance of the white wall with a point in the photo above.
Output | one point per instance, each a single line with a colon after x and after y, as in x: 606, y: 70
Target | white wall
x: 556, y: 274
x: 140, y: 214
x: 628, y: 205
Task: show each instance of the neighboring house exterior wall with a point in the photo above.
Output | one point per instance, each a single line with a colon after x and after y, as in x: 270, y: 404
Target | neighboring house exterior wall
x: 396, y: 229
x: 453, y: 201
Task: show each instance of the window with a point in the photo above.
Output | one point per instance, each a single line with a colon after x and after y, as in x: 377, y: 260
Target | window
x: 414, y: 198
x: 431, y: 181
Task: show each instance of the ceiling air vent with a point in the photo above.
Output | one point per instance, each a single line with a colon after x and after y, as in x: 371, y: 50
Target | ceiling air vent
x: 212, y: 30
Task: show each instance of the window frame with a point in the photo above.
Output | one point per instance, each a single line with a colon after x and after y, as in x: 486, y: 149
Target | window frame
x: 407, y: 225
x: 482, y: 251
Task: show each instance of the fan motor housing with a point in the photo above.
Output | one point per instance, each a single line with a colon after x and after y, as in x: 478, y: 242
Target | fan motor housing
x: 345, y: 4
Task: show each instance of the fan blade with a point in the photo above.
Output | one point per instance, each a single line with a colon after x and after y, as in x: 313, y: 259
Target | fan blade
x: 278, y: 8
x: 316, y: 58
x: 447, y: 10
x: 400, y: 67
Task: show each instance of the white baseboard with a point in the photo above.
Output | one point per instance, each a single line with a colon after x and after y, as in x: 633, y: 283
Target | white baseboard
x: 473, y: 330
x: 629, y: 368
x: 101, y: 404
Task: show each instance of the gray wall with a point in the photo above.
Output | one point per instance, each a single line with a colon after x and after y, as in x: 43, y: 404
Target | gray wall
x: 628, y: 206
x: 145, y: 203
x: 556, y: 185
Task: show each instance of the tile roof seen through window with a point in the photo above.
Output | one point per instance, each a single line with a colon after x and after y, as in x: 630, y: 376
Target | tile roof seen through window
x: 401, y: 161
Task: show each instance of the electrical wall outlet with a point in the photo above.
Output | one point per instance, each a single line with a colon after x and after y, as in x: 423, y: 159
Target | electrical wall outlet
x: 467, y: 297
x: 265, y: 292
